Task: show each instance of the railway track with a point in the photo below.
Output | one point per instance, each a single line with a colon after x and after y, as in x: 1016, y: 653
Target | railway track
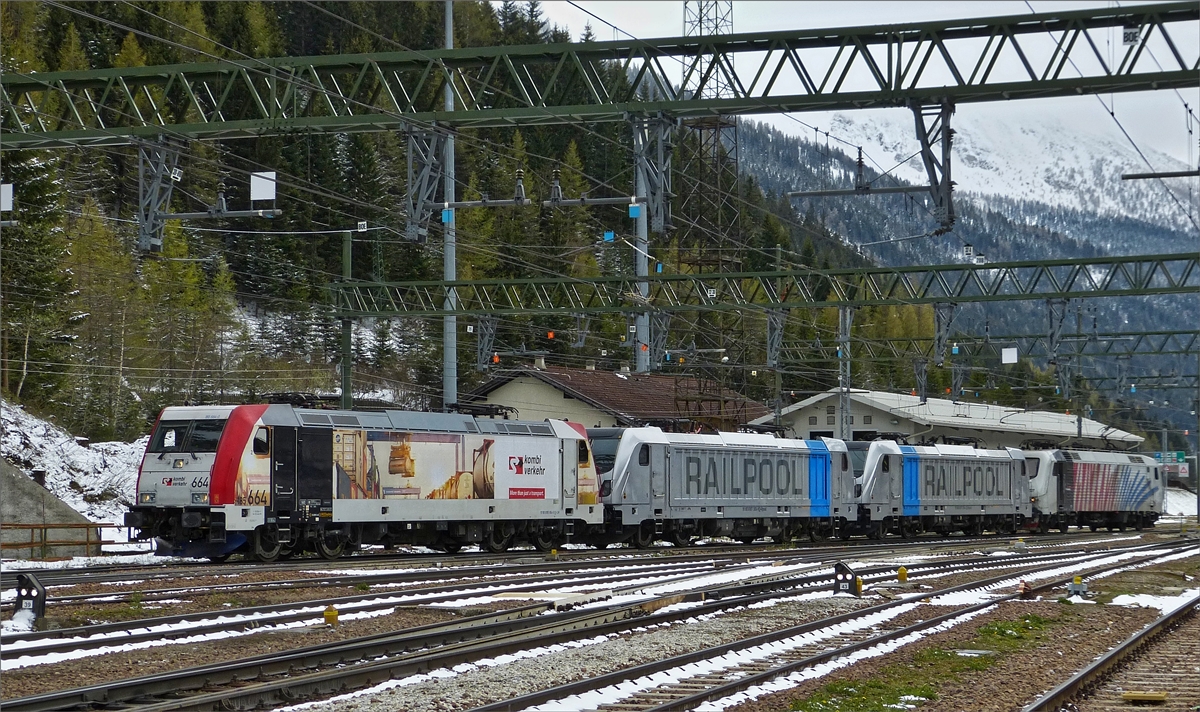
x: 315, y: 672
x: 1159, y: 664
x: 720, y: 673
x: 516, y: 580
x: 112, y: 574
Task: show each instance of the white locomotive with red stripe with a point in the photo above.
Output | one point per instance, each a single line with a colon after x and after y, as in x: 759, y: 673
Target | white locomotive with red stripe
x: 271, y: 480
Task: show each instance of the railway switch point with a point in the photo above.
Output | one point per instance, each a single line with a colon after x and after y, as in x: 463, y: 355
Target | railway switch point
x: 331, y: 616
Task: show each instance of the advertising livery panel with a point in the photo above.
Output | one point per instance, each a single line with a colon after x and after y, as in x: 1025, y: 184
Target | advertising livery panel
x: 401, y: 465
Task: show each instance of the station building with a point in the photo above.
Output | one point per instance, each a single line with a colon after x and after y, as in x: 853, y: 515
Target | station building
x: 880, y: 413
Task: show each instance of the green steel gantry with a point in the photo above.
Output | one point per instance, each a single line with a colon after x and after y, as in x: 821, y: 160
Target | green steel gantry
x: 918, y: 63
x: 1141, y: 275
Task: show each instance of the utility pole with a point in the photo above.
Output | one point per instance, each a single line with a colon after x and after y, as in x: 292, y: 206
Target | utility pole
x: 449, y: 267
x: 641, y: 344
x: 347, y: 326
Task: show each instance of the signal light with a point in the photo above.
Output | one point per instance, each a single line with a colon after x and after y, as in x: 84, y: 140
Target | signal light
x: 549, y: 334
x: 495, y: 358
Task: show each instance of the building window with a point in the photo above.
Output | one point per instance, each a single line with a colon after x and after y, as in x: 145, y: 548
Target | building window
x: 852, y: 420
x: 831, y: 409
x: 830, y: 420
x: 812, y: 420
x: 866, y: 420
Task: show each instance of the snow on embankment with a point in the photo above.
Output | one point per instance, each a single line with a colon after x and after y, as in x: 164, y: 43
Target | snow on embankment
x: 1180, y: 501
x: 99, y: 481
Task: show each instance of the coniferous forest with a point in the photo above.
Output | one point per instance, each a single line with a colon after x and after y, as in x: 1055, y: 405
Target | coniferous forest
x: 101, y: 336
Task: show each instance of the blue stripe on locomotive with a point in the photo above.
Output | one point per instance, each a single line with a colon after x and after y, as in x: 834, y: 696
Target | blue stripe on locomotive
x: 912, y: 481
x: 818, y: 478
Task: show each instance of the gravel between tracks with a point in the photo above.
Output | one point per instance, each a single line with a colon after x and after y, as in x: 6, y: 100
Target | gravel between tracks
x: 481, y: 684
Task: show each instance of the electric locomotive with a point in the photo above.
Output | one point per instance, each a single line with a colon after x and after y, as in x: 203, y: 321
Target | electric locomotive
x: 738, y: 485
x: 1094, y: 489
x: 907, y: 489
x: 270, y: 480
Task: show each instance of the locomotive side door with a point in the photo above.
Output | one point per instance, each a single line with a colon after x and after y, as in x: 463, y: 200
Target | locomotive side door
x: 658, y: 477
x: 568, y: 454
x: 283, y: 479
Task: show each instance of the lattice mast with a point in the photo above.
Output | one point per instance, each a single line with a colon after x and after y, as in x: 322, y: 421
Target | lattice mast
x: 708, y: 226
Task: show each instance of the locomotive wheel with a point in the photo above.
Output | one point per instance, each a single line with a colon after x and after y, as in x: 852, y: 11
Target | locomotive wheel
x: 643, y: 538
x: 219, y: 559
x: 329, y: 545
x: 497, y: 541
x: 266, y: 545
x: 681, y: 539
x: 545, y: 540
x: 815, y: 535
x: 450, y: 546
x: 1139, y: 524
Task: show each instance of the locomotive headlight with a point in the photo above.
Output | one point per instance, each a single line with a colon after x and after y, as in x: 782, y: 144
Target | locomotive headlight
x: 1033, y: 499
x: 146, y: 498
x: 199, y: 498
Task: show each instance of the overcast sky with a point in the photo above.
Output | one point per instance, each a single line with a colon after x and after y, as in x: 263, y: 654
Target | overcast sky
x: 1154, y: 119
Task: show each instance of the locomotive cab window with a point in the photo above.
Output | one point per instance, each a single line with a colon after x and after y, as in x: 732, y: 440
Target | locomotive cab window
x: 583, y: 452
x: 845, y: 462
x: 205, y: 435
x: 1031, y: 467
x: 644, y: 455
x: 186, y: 436
x: 168, y: 436
x: 262, y: 442
x: 885, y: 463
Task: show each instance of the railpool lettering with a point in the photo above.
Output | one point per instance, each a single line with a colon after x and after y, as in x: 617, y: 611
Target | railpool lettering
x: 746, y: 475
x: 950, y: 478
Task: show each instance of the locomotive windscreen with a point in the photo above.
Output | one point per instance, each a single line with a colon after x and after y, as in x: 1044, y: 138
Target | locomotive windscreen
x: 187, y: 435
x: 604, y: 451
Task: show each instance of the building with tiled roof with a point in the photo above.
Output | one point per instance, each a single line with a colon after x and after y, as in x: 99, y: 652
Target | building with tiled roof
x: 615, y: 399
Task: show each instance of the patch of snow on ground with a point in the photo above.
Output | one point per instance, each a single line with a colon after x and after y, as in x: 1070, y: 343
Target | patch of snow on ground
x: 84, y: 561
x: 1162, y: 603
x: 1180, y: 502
x: 105, y: 472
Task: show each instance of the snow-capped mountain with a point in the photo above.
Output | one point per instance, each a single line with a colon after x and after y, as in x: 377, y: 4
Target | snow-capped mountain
x: 1037, y: 158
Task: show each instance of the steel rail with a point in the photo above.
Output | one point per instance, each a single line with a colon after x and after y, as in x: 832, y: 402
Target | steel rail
x: 742, y: 683
x: 659, y: 565
x: 94, y: 636
x: 506, y: 636
x: 1084, y: 680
